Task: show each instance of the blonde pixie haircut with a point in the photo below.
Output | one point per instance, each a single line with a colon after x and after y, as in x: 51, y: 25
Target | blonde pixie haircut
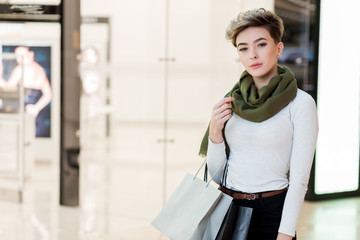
x: 256, y: 18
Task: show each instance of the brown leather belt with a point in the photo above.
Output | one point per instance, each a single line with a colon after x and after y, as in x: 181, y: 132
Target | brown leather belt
x: 250, y: 196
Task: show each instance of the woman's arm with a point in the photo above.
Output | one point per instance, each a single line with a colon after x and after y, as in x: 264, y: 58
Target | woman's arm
x: 216, y: 156
x: 221, y: 113
x: 14, y: 78
x: 46, y: 97
x: 282, y: 236
x: 305, y: 131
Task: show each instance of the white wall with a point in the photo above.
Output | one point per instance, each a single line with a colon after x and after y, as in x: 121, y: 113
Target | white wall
x: 205, y: 65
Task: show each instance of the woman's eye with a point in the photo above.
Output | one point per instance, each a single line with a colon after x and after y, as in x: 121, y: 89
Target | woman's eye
x: 262, y: 45
x: 242, y: 49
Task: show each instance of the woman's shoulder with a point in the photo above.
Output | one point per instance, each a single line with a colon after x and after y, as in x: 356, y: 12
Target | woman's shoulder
x: 303, y: 97
x: 303, y: 100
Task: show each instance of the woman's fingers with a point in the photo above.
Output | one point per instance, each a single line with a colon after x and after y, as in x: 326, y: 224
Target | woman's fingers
x: 223, y: 101
x: 221, y: 113
x: 222, y: 109
x: 222, y: 105
x: 221, y: 117
x: 224, y: 114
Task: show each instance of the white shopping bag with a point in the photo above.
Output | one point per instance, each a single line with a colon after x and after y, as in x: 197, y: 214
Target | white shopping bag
x: 194, y: 211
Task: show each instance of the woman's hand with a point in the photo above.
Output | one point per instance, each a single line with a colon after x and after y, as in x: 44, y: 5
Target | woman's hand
x: 221, y: 113
x: 282, y: 236
x: 32, y: 110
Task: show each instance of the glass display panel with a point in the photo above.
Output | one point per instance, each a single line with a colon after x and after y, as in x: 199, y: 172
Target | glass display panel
x: 40, y: 41
x: 337, y: 157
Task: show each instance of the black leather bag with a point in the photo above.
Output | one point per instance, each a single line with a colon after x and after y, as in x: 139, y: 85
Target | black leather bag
x: 236, y: 223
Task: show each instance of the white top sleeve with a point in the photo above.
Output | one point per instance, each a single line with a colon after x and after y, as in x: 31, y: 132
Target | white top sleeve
x: 261, y: 155
x: 216, y: 159
x: 305, y: 122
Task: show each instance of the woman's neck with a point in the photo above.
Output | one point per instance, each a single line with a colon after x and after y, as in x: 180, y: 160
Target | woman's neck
x: 265, y: 80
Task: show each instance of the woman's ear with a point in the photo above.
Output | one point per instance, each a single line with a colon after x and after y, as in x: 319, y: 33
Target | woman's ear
x: 280, y: 48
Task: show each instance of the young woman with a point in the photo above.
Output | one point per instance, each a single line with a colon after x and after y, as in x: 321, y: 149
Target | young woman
x: 270, y: 128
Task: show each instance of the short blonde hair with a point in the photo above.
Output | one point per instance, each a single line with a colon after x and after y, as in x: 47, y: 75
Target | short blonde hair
x: 256, y: 18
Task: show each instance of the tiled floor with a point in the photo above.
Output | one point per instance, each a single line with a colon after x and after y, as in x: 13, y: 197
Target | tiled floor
x: 122, y: 189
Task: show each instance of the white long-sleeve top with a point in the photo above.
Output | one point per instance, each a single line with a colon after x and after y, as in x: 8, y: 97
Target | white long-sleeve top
x: 261, y: 154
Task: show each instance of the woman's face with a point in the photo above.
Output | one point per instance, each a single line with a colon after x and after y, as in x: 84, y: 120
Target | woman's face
x: 258, y: 53
x: 24, y: 56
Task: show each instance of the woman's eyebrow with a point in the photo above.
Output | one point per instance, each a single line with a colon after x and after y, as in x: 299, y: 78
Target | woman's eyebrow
x: 257, y: 40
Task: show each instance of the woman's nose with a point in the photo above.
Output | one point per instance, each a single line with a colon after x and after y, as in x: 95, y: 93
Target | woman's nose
x: 254, y: 55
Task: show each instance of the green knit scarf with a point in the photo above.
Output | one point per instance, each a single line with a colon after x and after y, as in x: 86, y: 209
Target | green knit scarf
x: 259, y: 105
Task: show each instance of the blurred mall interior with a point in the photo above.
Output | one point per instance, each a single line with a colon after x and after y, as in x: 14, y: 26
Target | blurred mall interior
x: 127, y: 89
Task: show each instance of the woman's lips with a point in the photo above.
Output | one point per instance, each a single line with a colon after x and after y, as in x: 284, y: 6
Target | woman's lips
x: 256, y: 65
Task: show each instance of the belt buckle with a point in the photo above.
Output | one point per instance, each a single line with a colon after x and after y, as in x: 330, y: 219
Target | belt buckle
x: 250, y: 196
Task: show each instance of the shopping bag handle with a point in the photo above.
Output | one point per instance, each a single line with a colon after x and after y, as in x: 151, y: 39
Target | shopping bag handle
x: 206, y: 169
x: 224, y: 176
x: 200, y: 168
x: 227, y: 152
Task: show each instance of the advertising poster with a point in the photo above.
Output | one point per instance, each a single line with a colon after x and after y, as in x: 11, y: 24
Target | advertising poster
x: 36, y: 81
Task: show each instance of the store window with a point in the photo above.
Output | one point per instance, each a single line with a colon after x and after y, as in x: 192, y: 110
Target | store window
x: 300, y: 40
x: 312, y: 50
